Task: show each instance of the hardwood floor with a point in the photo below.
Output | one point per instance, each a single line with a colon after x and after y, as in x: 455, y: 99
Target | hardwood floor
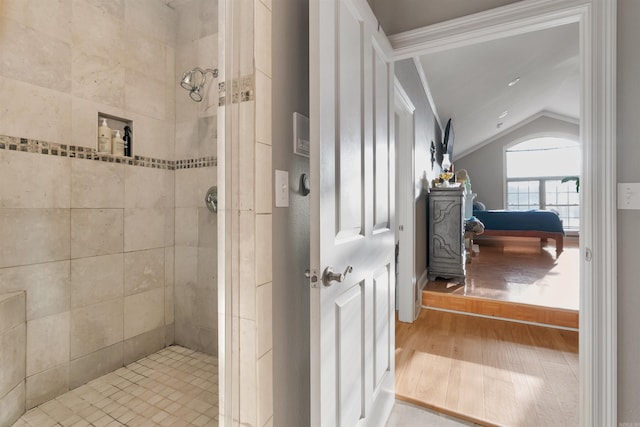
x: 488, y: 371
x: 516, y: 278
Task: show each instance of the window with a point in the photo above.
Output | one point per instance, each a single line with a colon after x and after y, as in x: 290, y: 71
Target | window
x: 535, y: 169
x: 523, y: 195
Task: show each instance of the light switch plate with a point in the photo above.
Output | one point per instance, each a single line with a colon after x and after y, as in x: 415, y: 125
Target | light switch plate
x: 281, y: 189
x: 628, y: 195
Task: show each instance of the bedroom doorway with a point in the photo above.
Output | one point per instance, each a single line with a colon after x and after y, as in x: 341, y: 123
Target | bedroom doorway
x: 597, y: 303
x: 524, y: 89
x: 510, y: 278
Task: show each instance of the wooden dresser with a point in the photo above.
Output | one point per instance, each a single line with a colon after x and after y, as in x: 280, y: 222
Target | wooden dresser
x: 447, y: 253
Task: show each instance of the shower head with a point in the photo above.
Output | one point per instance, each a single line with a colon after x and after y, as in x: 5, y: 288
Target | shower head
x: 194, y: 81
x: 195, y: 94
x: 187, y: 81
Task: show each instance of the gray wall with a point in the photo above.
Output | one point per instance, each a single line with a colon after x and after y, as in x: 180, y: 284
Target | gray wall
x: 403, y: 15
x: 486, y: 164
x: 628, y: 230
x: 426, y: 130
x: 290, y: 225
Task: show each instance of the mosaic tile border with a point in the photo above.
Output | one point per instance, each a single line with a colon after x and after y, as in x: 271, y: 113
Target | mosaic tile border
x: 242, y: 90
x: 26, y: 145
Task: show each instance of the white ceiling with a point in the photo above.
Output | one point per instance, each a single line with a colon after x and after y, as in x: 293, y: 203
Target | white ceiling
x: 469, y: 84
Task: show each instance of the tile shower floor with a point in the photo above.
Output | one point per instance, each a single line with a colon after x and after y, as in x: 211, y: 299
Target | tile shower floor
x: 173, y: 387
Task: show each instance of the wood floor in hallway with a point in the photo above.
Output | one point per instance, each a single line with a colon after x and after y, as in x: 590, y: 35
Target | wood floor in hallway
x: 488, y: 371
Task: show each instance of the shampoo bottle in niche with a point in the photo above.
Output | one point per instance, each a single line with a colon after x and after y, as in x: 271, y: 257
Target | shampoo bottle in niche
x: 118, y: 145
x: 127, y: 141
x: 104, y: 137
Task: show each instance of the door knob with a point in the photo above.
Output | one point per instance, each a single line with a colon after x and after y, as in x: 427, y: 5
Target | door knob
x: 328, y: 275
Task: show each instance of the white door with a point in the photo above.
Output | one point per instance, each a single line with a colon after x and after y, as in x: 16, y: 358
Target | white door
x: 352, y: 216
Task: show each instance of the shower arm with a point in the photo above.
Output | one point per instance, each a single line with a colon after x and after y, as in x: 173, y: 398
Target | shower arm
x: 213, y: 72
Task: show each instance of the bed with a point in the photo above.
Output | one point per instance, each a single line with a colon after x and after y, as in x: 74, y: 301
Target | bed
x: 534, y: 223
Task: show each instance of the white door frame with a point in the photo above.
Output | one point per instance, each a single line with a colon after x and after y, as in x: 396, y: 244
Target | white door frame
x: 598, y: 266
x: 405, y: 206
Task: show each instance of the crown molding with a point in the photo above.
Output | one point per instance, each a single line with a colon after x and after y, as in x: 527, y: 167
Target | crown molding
x: 427, y: 90
x: 517, y: 18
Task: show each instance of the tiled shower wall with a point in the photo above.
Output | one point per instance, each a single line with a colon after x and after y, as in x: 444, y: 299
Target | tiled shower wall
x: 196, y: 290
x: 86, y: 240
x: 90, y: 241
x: 13, y: 339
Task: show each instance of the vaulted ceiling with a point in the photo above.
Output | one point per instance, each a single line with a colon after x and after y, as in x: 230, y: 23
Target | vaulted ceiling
x: 471, y: 84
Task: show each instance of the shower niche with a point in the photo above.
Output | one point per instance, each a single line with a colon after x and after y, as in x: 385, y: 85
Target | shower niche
x: 120, y: 132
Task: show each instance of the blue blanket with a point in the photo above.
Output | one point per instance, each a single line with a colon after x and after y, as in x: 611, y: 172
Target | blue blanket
x: 534, y: 220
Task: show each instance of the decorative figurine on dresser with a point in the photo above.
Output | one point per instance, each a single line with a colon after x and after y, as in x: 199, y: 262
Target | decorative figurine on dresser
x: 446, y: 234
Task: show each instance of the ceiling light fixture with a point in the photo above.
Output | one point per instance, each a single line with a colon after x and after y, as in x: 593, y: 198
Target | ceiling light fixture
x: 513, y: 82
x: 503, y: 114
